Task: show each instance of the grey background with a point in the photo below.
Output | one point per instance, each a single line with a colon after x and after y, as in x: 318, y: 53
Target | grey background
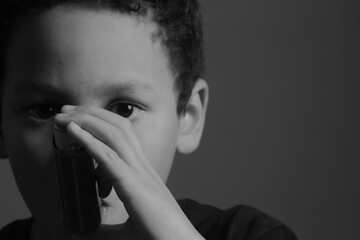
x: 282, y: 131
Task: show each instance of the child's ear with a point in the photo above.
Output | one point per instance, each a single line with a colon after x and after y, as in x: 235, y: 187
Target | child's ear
x: 3, y: 152
x: 192, y: 122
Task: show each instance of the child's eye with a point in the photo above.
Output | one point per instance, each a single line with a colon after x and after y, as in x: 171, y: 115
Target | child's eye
x: 126, y: 110
x: 43, y: 112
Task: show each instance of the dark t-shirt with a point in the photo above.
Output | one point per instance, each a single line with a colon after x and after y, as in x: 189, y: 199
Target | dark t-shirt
x: 237, y: 223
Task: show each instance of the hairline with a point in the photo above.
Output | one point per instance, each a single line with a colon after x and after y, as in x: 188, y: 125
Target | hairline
x: 157, y: 34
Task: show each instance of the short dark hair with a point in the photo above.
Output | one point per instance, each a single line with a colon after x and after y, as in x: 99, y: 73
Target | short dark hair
x: 179, y: 22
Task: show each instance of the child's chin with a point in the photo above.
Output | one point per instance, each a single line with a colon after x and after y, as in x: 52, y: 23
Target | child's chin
x: 111, y: 215
x: 113, y: 221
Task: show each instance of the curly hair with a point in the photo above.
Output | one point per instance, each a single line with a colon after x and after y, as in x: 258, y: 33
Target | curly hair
x: 179, y: 29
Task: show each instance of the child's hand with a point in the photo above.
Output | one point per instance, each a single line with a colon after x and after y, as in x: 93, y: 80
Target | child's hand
x: 111, y: 141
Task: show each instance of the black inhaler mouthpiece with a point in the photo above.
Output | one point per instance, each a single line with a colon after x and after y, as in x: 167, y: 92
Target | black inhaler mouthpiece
x: 77, y: 185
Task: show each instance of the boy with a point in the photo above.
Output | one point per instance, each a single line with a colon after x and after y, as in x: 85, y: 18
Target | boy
x: 124, y: 79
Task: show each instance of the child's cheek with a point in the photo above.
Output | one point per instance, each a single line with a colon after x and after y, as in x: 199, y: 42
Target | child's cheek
x: 158, y: 141
x: 32, y: 162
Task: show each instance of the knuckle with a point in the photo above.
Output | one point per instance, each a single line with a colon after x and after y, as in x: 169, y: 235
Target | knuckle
x: 110, y: 136
x: 121, y: 120
x: 114, y: 136
x: 83, y: 119
x: 111, y: 155
x: 78, y: 118
x: 91, y: 109
x: 81, y: 109
x: 82, y: 115
x: 127, y: 123
x: 124, y: 122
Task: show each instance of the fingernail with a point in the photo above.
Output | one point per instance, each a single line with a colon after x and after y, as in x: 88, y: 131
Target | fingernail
x: 60, y: 120
x: 62, y: 116
x: 68, y: 108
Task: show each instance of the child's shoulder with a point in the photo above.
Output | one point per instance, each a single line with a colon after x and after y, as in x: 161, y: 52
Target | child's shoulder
x: 240, y: 222
x: 17, y: 230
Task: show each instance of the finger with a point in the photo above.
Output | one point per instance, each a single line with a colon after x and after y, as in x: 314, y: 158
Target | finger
x: 114, y: 119
x: 117, y: 170
x: 104, y: 155
x: 125, y: 126
x: 107, y: 134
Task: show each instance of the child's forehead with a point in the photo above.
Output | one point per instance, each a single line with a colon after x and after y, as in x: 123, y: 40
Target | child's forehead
x: 98, y: 48
x: 59, y: 30
x: 78, y: 27
x: 77, y: 14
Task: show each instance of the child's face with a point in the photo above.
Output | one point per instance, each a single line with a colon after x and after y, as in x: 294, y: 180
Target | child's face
x: 86, y: 58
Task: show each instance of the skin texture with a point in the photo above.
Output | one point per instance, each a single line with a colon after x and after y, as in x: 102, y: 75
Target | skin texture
x: 120, y: 102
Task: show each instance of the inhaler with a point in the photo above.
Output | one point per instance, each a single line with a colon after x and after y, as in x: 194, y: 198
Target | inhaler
x: 79, y: 203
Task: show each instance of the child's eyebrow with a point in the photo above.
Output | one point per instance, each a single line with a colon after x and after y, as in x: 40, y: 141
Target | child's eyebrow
x: 129, y: 87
